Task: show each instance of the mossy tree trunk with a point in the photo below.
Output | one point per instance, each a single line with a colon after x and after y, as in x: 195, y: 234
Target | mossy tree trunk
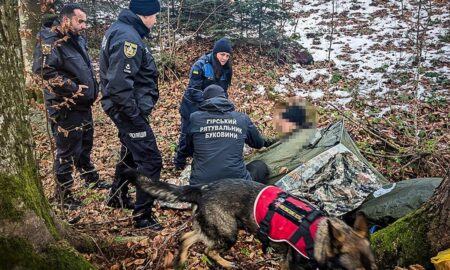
x: 419, y: 236
x: 30, y: 236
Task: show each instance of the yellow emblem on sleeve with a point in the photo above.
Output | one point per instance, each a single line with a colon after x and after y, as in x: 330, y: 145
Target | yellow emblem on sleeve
x: 129, y: 49
x: 195, y: 72
x: 46, y: 49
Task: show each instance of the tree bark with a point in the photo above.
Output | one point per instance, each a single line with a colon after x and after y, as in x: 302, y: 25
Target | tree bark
x: 439, y: 230
x: 30, y: 236
x: 29, y: 25
x: 417, y: 237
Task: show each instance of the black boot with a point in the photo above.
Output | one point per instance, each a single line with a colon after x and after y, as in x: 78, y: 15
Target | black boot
x: 63, y: 194
x: 147, y: 221
x: 67, y: 199
x: 92, y: 180
x: 118, y: 199
x: 118, y: 196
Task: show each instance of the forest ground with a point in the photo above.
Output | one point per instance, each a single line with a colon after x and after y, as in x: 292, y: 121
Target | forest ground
x: 395, y: 109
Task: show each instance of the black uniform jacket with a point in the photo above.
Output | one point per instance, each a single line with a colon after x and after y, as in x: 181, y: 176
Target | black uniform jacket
x: 128, y: 73
x: 216, y: 138
x: 65, y: 64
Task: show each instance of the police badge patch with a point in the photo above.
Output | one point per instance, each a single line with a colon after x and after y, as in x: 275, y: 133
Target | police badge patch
x: 46, y: 49
x: 129, y: 49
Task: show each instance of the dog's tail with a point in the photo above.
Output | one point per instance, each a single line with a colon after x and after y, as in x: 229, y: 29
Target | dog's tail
x: 162, y: 190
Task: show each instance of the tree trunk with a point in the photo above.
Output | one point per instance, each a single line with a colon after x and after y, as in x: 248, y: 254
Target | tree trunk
x: 417, y: 237
x: 438, y: 208
x: 30, y: 236
x: 29, y: 26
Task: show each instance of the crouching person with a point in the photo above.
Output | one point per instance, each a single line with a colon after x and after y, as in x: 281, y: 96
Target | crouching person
x: 216, y: 137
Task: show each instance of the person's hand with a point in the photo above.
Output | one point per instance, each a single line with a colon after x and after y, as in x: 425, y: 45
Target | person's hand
x: 81, y: 87
x: 269, y: 141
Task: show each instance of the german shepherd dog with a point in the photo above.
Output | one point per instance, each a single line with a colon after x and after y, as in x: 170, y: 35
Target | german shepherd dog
x: 225, y: 206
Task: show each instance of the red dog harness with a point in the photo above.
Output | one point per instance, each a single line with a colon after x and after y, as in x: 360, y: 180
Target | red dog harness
x: 284, y: 218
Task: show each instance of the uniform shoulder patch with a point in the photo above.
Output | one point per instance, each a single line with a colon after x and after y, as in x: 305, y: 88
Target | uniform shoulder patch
x: 46, y: 49
x: 130, y: 49
x: 195, y: 72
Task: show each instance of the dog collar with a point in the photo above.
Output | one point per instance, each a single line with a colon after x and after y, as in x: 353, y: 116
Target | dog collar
x: 282, y: 217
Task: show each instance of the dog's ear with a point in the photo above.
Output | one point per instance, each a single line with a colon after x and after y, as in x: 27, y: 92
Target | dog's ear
x: 332, y: 242
x: 360, y: 226
x: 337, y: 237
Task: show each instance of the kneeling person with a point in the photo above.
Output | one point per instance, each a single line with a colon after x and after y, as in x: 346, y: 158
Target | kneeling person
x: 216, y: 138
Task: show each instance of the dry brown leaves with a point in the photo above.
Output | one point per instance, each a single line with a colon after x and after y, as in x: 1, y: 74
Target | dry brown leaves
x: 155, y: 251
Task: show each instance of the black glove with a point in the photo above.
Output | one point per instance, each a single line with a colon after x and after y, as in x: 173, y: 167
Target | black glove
x: 269, y: 141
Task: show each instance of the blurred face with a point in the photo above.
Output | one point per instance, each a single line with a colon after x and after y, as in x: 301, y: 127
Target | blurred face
x: 282, y: 125
x: 149, y: 21
x: 223, y: 57
x: 76, y: 23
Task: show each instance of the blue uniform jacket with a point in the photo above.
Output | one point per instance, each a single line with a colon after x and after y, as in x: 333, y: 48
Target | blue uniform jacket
x: 128, y: 72
x: 201, y: 76
x: 216, y: 139
x: 69, y: 61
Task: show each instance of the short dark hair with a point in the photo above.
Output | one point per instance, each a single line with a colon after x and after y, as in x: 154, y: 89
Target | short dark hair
x: 68, y: 10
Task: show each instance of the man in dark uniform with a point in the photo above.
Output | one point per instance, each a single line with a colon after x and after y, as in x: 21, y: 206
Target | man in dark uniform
x: 216, y: 137
x: 129, y: 84
x: 61, y: 58
x: 212, y: 68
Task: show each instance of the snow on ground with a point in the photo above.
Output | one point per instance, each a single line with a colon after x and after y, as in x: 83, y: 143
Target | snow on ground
x: 307, y: 75
x: 260, y: 90
x: 374, y: 44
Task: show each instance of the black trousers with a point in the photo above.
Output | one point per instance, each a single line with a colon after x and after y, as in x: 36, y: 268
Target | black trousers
x: 74, y: 134
x: 259, y: 171
x: 140, y: 151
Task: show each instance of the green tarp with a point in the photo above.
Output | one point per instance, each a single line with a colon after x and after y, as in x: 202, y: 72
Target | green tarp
x: 396, y: 200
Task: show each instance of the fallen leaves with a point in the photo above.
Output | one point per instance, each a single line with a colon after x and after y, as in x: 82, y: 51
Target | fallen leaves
x: 252, y: 71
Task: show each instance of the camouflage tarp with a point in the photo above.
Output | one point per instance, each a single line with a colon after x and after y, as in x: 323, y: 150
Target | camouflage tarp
x: 329, y: 171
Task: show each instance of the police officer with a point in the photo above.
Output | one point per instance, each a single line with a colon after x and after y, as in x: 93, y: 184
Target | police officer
x: 61, y: 57
x: 216, y: 137
x: 212, y: 68
x: 129, y: 84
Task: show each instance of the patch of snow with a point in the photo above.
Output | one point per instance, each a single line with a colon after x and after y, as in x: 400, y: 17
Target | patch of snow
x: 343, y: 101
x: 316, y: 94
x: 383, y: 111
x: 313, y: 95
x: 340, y: 93
x: 260, y: 89
x: 420, y: 92
x: 284, y: 80
x: 301, y: 93
x: 370, y: 41
x: 280, y: 88
x: 308, y: 75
